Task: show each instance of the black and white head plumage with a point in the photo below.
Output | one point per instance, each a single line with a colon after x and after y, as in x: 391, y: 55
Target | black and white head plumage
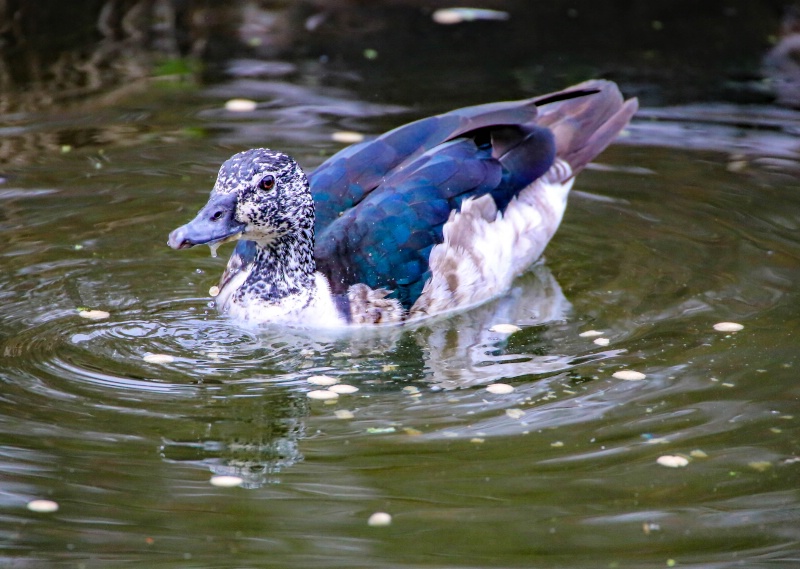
x: 272, y: 194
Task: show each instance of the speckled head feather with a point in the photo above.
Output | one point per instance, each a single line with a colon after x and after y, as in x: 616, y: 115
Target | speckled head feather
x: 274, y: 204
x: 247, y: 168
x: 268, y: 212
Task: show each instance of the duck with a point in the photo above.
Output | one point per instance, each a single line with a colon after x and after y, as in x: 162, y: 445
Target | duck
x: 435, y: 216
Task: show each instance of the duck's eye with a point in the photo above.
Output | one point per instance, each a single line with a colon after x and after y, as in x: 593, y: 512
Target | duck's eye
x: 267, y: 182
x: 217, y: 215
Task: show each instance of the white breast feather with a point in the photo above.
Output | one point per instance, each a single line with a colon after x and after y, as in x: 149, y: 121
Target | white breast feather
x: 311, y: 308
x: 483, y: 249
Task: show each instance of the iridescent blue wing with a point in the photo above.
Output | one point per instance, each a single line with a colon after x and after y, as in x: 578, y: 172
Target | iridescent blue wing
x: 386, y: 239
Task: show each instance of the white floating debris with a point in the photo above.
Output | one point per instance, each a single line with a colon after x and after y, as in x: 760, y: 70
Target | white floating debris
x: 500, y: 388
x: 343, y: 414
x: 648, y: 528
x: 322, y: 394
x: 628, y: 375
x: 43, y: 506
x: 411, y: 390
x: 515, y: 413
x: 322, y: 380
x: 226, y: 481
x: 240, y: 105
x: 343, y: 389
x: 347, y: 137
x: 672, y: 461
x: 379, y: 519
x: 760, y: 465
x: 505, y: 328
x: 590, y: 334
x: 158, y: 359
x: 450, y: 16
x: 213, y: 291
x: 728, y: 327
x: 93, y: 314
x: 602, y: 341
x: 557, y: 444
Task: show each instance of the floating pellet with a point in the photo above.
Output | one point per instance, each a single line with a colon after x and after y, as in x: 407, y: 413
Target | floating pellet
x: 158, y: 359
x: 226, y: 481
x: 379, y: 519
x: 672, y: 461
x: 500, y: 388
x: 343, y: 389
x: 322, y: 394
x: 240, y: 105
x: 43, y: 506
x: 505, y: 328
x: 213, y: 291
x: 590, y: 334
x: 347, y: 137
x: 93, y: 314
x: 450, y: 16
x: 322, y: 380
x: 728, y: 327
x: 628, y: 375
x: 343, y: 414
x: 602, y: 341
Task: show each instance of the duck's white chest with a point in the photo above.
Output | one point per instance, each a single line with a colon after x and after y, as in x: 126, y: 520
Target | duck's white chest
x: 310, y: 308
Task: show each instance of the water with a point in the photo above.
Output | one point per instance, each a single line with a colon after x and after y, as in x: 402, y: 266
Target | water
x: 659, y: 243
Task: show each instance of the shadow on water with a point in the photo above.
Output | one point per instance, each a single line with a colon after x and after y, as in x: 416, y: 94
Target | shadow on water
x: 689, y: 221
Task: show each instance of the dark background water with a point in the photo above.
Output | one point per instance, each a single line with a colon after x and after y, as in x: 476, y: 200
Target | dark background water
x: 113, y: 126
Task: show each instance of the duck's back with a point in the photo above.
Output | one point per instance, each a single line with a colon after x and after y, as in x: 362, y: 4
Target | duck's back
x: 447, y: 210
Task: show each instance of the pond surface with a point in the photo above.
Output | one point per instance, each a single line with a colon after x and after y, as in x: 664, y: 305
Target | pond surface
x: 686, y: 223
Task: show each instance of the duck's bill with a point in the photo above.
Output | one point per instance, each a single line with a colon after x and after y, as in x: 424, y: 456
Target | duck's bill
x: 213, y: 226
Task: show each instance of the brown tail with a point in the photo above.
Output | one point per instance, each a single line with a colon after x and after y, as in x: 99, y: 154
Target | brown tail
x: 585, y: 119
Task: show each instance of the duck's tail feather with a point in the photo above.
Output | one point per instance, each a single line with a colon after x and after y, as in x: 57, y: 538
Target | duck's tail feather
x: 584, y: 126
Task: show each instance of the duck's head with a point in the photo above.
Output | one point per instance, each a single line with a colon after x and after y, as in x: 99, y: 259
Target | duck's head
x: 260, y: 195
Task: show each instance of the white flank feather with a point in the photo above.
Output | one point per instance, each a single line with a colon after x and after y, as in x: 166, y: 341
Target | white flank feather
x: 483, y: 249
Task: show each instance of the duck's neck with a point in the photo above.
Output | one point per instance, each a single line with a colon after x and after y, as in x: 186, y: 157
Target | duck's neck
x: 283, y: 267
